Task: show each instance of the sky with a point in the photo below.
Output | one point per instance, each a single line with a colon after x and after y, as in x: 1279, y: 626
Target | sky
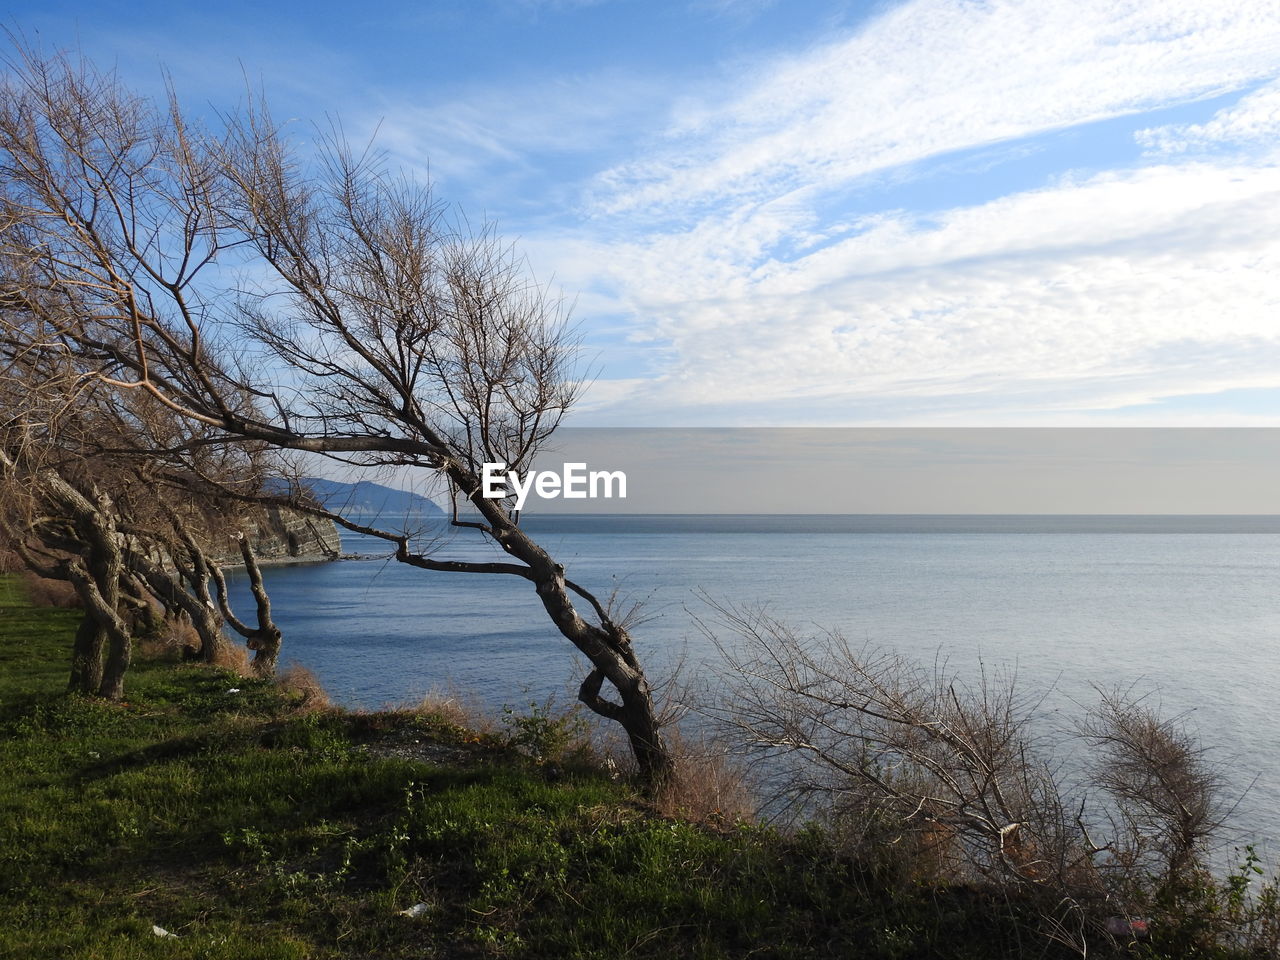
x: 816, y: 212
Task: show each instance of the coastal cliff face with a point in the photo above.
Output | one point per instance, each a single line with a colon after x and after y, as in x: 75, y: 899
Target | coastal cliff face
x: 280, y: 534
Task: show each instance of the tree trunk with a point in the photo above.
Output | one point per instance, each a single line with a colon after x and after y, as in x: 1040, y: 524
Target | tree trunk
x: 108, y: 566
x: 608, y: 646
x: 654, y: 761
x: 264, y: 639
x: 198, y: 603
x: 86, y: 657
x: 119, y: 656
x: 96, y: 579
x: 100, y: 606
x: 637, y: 716
x: 213, y: 641
x: 266, y: 652
x: 169, y: 590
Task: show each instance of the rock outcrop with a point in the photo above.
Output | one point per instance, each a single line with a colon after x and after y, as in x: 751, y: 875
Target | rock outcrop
x: 283, y: 534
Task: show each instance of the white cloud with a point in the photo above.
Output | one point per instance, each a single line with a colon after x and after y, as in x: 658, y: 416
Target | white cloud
x: 491, y: 135
x: 1254, y: 119
x: 933, y: 76
x: 1114, y: 290
x: 747, y: 293
x: 1099, y: 291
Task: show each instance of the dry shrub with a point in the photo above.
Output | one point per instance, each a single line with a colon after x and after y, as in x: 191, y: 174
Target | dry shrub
x: 159, y: 647
x: 895, y: 747
x: 452, y: 708
x: 935, y: 779
x: 706, y: 785
x: 235, y: 657
x: 10, y: 562
x: 908, y: 851
x: 50, y: 593
x: 297, y: 681
x: 1167, y: 796
x: 176, y: 639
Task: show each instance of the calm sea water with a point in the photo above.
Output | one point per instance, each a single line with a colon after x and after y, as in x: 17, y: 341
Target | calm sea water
x: 1188, y: 608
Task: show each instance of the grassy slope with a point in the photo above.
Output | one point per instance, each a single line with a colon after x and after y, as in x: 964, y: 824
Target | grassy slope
x: 250, y: 829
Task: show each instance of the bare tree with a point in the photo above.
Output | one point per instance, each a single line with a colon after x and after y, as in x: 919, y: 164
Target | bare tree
x: 78, y: 542
x: 263, y: 639
x: 372, y: 330
x: 890, y: 750
x: 79, y: 504
x: 1167, y: 796
x: 905, y: 748
x: 185, y: 575
x: 57, y: 518
x: 92, y: 521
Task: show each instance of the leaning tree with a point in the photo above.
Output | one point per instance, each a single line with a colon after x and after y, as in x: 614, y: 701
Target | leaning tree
x: 80, y: 501
x: 316, y: 303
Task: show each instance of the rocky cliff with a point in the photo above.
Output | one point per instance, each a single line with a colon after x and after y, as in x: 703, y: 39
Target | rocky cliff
x: 281, y: 534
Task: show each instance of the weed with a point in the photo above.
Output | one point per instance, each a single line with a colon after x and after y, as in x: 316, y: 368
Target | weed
x: 303, y: 687
x: 705, y: 787
x: 547, y: 734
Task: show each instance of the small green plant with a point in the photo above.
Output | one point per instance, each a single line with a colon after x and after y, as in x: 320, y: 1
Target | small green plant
x: 1198, y: 915
x: 545, y: 734
x: 248, y: 844
x: 1238, y: 881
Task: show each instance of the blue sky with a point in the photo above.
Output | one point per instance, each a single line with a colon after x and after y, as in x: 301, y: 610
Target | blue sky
x: 806, y: 212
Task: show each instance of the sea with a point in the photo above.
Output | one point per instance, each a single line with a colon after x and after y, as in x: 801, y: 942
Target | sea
x: 1184, y: 611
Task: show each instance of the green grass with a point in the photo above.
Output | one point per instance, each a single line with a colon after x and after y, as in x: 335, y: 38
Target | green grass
x: 252, y: 830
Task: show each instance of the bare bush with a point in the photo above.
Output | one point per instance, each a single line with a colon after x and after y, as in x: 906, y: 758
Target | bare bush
x: 958, y: 783
x: 908, y: 750
x: 706, y: 786
x: 1166, y: 795
x: 299, y: 682
x: 46, y: 592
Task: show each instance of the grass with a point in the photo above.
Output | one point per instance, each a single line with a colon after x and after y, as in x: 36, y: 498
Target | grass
x: 218, y: 809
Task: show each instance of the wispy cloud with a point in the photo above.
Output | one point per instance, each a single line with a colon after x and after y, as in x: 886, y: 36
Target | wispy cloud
x: 491, y: 138
x: 1110, y: 291
x: 934, y: 76
x: 750, y: 241
x: 1254, y: 120
x: 759, y: 295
